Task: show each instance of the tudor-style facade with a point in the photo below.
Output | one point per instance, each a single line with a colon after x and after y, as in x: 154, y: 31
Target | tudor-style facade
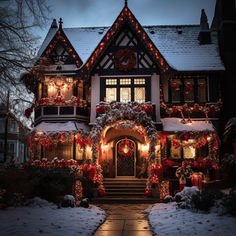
x: 129, y: 98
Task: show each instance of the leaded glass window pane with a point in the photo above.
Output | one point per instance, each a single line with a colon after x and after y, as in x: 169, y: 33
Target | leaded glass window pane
x: 110, y: 94
x: 139, y: 94
x: 125, y: 81
x: 125, y: 94
x: 139, y: 81
x: 111, y: 81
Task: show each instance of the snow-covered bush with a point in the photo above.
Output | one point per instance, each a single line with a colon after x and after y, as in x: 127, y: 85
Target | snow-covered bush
x: 68, y: 201
x: 184, y: 197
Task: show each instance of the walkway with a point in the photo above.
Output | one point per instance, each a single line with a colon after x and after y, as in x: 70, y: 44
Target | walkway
x: 124, y: 220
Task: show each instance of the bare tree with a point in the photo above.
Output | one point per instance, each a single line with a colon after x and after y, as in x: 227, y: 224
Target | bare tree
x: 18, y: 45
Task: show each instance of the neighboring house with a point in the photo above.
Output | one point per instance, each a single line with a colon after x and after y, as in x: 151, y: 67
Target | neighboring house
x: 17, y: 138
x: 130, y: 97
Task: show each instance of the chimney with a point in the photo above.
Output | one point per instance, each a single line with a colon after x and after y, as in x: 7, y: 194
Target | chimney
x: 54, y: 24
x: 204, y: 35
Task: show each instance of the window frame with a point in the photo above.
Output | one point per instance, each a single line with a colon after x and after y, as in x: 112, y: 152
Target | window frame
x: 196, y: 82
x: 147, y: 87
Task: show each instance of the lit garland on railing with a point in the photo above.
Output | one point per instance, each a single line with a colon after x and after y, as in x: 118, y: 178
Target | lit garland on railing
x: 207, y: 109
x: 60, y: 101
x: 106, y: 107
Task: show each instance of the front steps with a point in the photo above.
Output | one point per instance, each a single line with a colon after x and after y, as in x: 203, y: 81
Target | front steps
x: 124, y: 190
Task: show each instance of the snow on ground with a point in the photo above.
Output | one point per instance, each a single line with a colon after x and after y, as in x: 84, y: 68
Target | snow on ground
x: 44, y: 218
x: 165, y: 219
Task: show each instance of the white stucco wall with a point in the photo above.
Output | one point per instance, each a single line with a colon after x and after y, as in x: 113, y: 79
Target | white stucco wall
x: 95, y: 96
x: 155, y: 94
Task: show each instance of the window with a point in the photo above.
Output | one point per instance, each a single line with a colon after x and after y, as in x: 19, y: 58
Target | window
x: 54, y: 87
x: 139, y: 94
x: 188, y: 90
x: 110, y: 94
x: 125, y: 94
x: 175, y: 90
x: 126, y: 90
x: 202, y: 91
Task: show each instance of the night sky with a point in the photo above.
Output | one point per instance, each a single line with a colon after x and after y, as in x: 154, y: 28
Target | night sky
x: 77, y: 13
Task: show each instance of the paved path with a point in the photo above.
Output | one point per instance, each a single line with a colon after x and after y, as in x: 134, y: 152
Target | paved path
x: 124, y: 220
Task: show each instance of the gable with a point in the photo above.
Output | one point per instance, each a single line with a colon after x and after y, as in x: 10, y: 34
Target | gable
x: 125, y: 17
x: 126, y: 46
x: 61, y: 51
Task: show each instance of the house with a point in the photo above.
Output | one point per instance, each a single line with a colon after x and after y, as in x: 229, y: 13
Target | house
x: 17, y: 138
x: 130, y: 98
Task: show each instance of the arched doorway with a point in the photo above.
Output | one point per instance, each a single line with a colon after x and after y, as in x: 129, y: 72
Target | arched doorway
x: 125, y: 158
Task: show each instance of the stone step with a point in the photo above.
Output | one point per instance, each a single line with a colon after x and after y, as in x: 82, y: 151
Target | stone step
x: 125, y: 199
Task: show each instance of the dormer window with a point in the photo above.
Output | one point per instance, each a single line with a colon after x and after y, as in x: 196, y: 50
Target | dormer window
x: 125, y: 89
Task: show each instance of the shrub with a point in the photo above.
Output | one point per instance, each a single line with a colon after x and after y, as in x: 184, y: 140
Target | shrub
x: 229, y: 169
x: 205, y: 199
x: 229, y: 202
x: 53, y: 182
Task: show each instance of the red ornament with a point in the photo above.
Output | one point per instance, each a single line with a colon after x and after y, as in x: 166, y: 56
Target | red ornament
x: 196, y: 107
x: 185, y: 137
x: 30, y: 142
x: 189, y: 86
x: 202, y: 86
x: 100, y: 109
x: 175, y: 144
x: 148, y: 109
x: 162, y: 136
x: 174, y: 109
x: 28, y: 112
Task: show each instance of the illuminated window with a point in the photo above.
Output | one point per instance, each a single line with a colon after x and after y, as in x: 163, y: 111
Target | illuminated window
x: 69, y: 80
x: 125, y: 81
x: 126, y: 89
x: 110, y: 94
x: 125, y: 94
x: 175, y: 152
x: 111, y: 81
x: 189, y: 152
x: 139, y: 81
x: 79, y: 153
x: 139, y: 94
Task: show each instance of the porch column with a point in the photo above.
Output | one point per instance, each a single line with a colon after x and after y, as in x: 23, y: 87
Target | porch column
x: 155, y: 94
x: 95, y: 96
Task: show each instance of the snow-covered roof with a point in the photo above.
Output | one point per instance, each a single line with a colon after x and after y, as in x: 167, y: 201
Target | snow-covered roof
x: 179, y: 45
x: 175, y: 125
x: 70, y: 126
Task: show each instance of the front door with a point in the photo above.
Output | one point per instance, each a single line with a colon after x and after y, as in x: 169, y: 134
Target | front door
x: 125, y: 157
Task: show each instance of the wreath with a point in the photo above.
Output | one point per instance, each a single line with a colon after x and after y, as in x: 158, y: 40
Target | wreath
x: 125, y: 60
x: 126, y: 148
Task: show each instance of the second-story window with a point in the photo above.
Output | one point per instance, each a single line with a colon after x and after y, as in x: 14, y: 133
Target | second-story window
x: 126, y: 89
x: 188, y: 90
x: 54, y: 87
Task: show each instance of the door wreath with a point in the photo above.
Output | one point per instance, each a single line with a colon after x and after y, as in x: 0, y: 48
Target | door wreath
x: 126, y: 148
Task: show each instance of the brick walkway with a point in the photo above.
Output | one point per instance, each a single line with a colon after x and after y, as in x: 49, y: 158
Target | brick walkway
x: 124, y: 220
